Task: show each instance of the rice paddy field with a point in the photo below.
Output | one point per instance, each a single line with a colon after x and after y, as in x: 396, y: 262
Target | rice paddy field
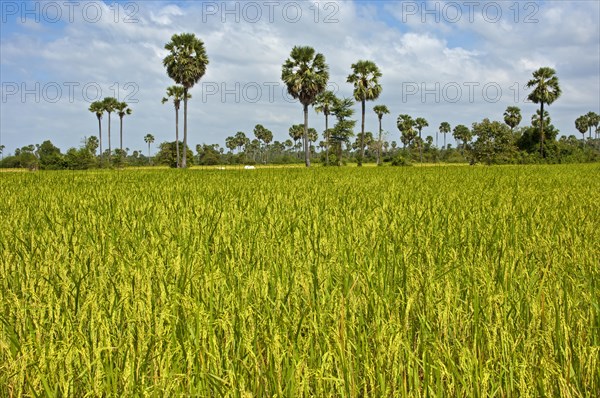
x: 373, y: 282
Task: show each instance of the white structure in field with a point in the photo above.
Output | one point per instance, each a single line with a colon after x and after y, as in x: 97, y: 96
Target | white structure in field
x: 249, y: 168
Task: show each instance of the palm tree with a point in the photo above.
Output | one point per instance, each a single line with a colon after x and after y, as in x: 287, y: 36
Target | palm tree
x: 97, y: 107
x: 512, y: 117
x: 380, y: 110
x: 305, y: 75
x: 444, y: 129
x: 546, y: 90
x: 324, y: 103
x: 420, y: 123
x: 122, y: 110
x: 462, y: 133
x: 582, y: 124
x: 186, y: 64
x: 149, y: 139
x: 230, y: 143
x: 241, y: 140
x: 405, y: 124
x: 177, y: 93
x: 365, y: 75
x: 593, y: 121
x: 2, y: 147
x: 296, y: 132
x: 110, y: 105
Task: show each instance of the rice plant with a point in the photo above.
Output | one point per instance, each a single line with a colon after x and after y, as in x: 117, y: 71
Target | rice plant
x: 373, y: 282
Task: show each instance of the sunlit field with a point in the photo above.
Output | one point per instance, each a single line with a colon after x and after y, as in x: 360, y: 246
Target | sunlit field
x: 293, y: 282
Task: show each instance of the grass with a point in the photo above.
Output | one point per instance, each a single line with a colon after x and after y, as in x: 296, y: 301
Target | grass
x: 372, y: 282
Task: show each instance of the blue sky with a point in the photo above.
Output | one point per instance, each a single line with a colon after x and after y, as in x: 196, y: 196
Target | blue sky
x: 443, y: 60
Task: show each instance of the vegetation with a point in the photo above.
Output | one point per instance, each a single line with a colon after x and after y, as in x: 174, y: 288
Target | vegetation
x: 306, y: 75
x: 186, y: 65
x: 546, y: 90
x: 379, y: 282
x: 365, y: 78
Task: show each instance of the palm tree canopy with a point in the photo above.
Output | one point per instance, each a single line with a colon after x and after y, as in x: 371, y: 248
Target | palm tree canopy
x: 593, y: 119
x: 325, y: 102
x: 405, y: 123
x: 149, y: 138
x: 582, y: 124
x: 97, y: 107
x: 123, y: 109
x: 110, y: 104
x: 545, y: 86
x: 535, y: 119
x: 421, y: 123
x: 445, y: 127
x: 381, y: 110
x: 512, y: 116
x: 187, y: 61
x: 365, y: 75
x: 305, y: 74
x: 176, y: 92
x: 296, y: 131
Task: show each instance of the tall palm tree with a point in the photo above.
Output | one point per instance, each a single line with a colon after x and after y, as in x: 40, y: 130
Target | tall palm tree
x: 365, y: 75
x: 186, y: 64
x: 296, y: 132
x: 2, y: 147
x: 421, y: 123
x: 122, y: 110
x: 546, y: 90
x: 405, y: 124
x: 582, y: 124
x: 110, y: 105
x: 593, y: 121
x: 176, y: 92
x: 380, y: 110
x: 512, y: 117
x: 149, y: 139
x: 325, y: 103
x: 444, y: 129
x: 305, y: 74
x: 97, y: 107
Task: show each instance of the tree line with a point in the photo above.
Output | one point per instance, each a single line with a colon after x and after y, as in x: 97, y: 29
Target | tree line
x: 306, y: 75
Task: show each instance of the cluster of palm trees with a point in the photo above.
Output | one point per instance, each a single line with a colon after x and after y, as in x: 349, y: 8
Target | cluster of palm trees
x: 110, y: 105
x: 588, y: 122
x: 263, y: 135
x: 306, y: 75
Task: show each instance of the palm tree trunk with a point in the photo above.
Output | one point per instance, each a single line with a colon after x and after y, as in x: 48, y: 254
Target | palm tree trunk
x: 109, y: 147
x: 100, y: 139
x: 121, y: 134
x: 185, y: 103
x: 177, y: 134
x: 326, y: 139
x: 444, y: 140
x: 420, y: 148
x: 379, y: 146
x: 362, y: 137
x: 306, y: 147
x: 149, y: 152
x: 542, y: 130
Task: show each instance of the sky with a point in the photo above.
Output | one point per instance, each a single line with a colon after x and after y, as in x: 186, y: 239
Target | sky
x: 454, y: 61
